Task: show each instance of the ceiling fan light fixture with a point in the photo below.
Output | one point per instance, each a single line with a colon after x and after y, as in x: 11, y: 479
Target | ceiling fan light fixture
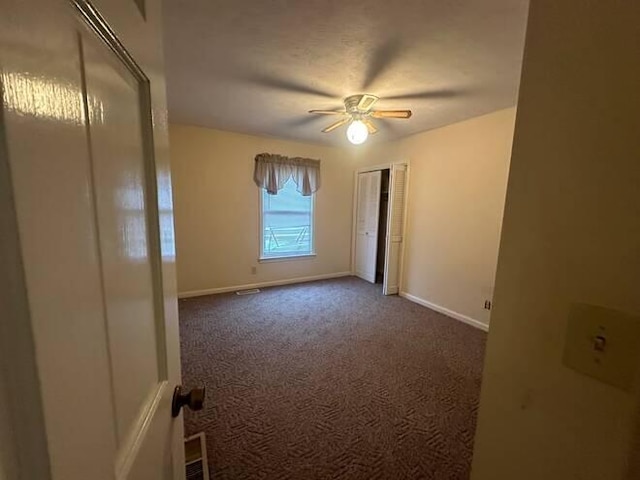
x: 358, y: 113
x: 357, y: 133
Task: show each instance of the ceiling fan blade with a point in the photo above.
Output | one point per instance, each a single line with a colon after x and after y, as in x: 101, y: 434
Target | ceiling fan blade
x: 366, y: 102
x: 428, y: 95
x: 328, y: 112
x: 370, y: 126
x: 391, y: 114
x: 338, y: 124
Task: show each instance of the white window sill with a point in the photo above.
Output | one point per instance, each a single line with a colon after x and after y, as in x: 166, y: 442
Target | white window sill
x: 286, y: 258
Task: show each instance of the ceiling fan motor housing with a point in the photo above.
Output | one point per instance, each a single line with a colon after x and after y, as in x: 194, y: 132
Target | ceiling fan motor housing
x: 358, y: 104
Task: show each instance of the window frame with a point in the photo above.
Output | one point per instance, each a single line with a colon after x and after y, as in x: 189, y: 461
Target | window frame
x: 291, y: 256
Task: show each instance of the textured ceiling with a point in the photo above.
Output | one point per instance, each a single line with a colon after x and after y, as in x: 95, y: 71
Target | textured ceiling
x: 258, y: 66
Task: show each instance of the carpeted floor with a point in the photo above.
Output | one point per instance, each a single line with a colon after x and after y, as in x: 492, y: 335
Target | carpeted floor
x: 331, y: 380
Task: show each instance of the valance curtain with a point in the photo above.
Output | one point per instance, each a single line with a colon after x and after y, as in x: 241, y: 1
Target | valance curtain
x: 272, y: 171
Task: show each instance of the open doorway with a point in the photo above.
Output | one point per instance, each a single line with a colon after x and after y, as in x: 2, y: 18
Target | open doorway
x: 379, y: 225
x: 382, y: 225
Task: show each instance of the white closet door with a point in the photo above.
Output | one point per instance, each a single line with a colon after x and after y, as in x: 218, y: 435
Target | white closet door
x: 395, y: 229
x: 367, y: 214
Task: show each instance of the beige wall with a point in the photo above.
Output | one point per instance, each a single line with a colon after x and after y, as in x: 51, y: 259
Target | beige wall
x: 457, y: 187
x: 216, y: 209
x: 455, y: 202
x: 571, y: 233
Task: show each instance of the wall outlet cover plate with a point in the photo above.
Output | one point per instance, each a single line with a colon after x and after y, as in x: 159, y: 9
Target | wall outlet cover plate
x: 618, y: 361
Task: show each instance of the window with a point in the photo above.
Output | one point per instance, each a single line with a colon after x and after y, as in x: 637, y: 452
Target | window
x: 287, y: 223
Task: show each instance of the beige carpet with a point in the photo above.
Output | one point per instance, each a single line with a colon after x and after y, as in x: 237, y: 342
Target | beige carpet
x: 331, y: 380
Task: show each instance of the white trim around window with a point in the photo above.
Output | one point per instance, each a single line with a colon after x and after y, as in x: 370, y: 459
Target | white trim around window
x: 281, y: 236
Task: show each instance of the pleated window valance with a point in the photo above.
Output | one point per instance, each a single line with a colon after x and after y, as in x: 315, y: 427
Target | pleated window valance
x: 272, y: 171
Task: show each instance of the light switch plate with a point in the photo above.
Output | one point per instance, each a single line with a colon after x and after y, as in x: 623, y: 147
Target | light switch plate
x: 616, y: 359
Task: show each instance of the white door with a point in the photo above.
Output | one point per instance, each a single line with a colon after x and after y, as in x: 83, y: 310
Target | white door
x: 395, y: 229
x: 367, y: 218
x: 83, y: 139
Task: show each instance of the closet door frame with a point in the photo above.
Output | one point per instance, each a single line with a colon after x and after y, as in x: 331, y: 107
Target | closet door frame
x: 354, y: 225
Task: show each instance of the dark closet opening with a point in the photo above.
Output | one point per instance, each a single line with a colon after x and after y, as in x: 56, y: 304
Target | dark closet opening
x: 382, y: 225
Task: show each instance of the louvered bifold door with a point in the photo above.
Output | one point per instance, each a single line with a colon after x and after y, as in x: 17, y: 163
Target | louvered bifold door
x: 395, y: 229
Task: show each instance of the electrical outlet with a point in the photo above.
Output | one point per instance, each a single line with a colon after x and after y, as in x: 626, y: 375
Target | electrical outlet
x: 487, y: 304
x: 254, y: 270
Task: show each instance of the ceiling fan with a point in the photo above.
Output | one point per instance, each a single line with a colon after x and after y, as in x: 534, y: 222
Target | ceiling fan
x: 358, y: 112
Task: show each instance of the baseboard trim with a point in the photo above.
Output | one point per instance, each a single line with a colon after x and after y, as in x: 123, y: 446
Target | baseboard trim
x: 445, y: 311
x: 272, y: 283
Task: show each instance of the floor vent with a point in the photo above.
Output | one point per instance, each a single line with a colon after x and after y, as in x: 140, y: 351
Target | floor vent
x: 195, y: 453
x: 253, y: 291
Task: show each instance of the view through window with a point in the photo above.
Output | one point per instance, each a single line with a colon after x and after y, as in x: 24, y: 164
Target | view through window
x: 287, y: 223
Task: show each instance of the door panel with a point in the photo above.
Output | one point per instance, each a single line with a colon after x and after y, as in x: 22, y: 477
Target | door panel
x: 361, y: 230
x: 88, y: 170
x: 119, y: 180
x: 367, y: 217
x: 45, y: 136
x: 119, y: 131
x: 395, y: 229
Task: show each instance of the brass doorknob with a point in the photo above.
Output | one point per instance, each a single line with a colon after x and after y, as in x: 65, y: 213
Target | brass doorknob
x: 194, y: 400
